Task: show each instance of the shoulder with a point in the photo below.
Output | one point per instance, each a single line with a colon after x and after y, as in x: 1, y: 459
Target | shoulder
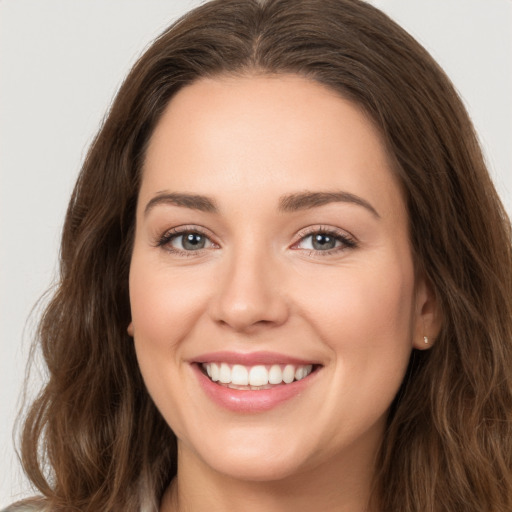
x: 25, y: 507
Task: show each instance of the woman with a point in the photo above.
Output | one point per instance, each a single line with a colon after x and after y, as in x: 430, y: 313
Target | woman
x: 286, y: 281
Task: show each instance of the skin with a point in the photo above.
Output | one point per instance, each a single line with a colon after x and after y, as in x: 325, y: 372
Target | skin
x: 259, y: 285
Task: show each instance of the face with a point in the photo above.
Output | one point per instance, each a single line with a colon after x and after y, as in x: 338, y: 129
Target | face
x: 273, y: 293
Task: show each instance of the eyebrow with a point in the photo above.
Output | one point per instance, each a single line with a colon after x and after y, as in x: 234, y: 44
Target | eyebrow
x: 306, y: 200
x: 192, y: 201
x: 288, y: 203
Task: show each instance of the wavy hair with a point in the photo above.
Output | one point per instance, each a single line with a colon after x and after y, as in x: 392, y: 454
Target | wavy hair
x: 93, y: 439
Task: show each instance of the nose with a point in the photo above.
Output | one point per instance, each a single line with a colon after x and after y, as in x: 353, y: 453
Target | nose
x: 250, y: 294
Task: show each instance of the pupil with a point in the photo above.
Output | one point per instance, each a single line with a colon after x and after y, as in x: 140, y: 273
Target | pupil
x: 193, y: 241
x: 323, y: 241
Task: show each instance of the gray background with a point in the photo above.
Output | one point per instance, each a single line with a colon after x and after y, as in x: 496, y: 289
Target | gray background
x: 61, y: 62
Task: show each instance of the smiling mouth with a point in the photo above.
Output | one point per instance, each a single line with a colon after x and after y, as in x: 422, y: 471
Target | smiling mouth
x: 257, y: 377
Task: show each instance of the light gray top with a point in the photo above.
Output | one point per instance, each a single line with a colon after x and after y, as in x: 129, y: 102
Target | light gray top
x: 24, y: 508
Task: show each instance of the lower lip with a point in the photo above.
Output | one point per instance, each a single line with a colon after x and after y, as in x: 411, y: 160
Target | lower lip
x: 251, y: 401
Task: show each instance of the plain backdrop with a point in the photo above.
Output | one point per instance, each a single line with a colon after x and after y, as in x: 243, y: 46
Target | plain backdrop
x: 61, y: 63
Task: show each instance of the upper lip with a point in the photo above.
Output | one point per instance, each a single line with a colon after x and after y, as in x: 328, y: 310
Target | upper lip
x: 250, y: 358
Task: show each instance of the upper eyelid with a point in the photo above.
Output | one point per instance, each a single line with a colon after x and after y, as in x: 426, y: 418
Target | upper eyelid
x: 186, y: 228
x: 181, y: 230
x: 324, y: 229
x: 301, y: 234
x: 163, y: 239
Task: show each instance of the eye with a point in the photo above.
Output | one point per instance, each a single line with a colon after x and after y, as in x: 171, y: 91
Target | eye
x: 326, y: 241
x: 189, y: 241
x: 320, y: 242
x: 184, y: 241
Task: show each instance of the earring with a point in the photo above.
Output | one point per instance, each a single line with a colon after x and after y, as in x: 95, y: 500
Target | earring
x: 425, y: 339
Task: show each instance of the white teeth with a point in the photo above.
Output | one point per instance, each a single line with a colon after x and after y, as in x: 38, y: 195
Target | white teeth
x: 288, y: 373
x: 239, y: 375
x: 303, y: 371
x: 275, y: 375
x: 225, y: 374
x: 214, y: 370
x: 299, y: 373
x: 307, y: 370
x: 258, y: 376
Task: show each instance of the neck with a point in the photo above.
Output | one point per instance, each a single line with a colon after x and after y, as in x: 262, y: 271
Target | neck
x: 336, y: 486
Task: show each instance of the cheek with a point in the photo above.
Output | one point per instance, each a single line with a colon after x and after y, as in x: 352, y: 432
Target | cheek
x: 365, y: 320
x: 365, y: 316
x: 165, y: 307
x: 164, y: 304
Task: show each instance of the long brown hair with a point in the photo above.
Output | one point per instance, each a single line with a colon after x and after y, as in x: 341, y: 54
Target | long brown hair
x: 94, y: 440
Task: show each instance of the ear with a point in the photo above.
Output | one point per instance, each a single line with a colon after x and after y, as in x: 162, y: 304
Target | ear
x: 428, y: 317
x: 129, y: 330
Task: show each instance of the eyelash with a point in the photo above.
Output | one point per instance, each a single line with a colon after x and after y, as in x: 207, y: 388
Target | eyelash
x: 347, y: 241
x: 165, y: 240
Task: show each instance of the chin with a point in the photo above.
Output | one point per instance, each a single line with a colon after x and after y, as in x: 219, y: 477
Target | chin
x: 256, y: 458
x: 258, y: 467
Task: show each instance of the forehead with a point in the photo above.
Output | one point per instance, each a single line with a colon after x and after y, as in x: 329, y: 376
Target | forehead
x: 258, y: 135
